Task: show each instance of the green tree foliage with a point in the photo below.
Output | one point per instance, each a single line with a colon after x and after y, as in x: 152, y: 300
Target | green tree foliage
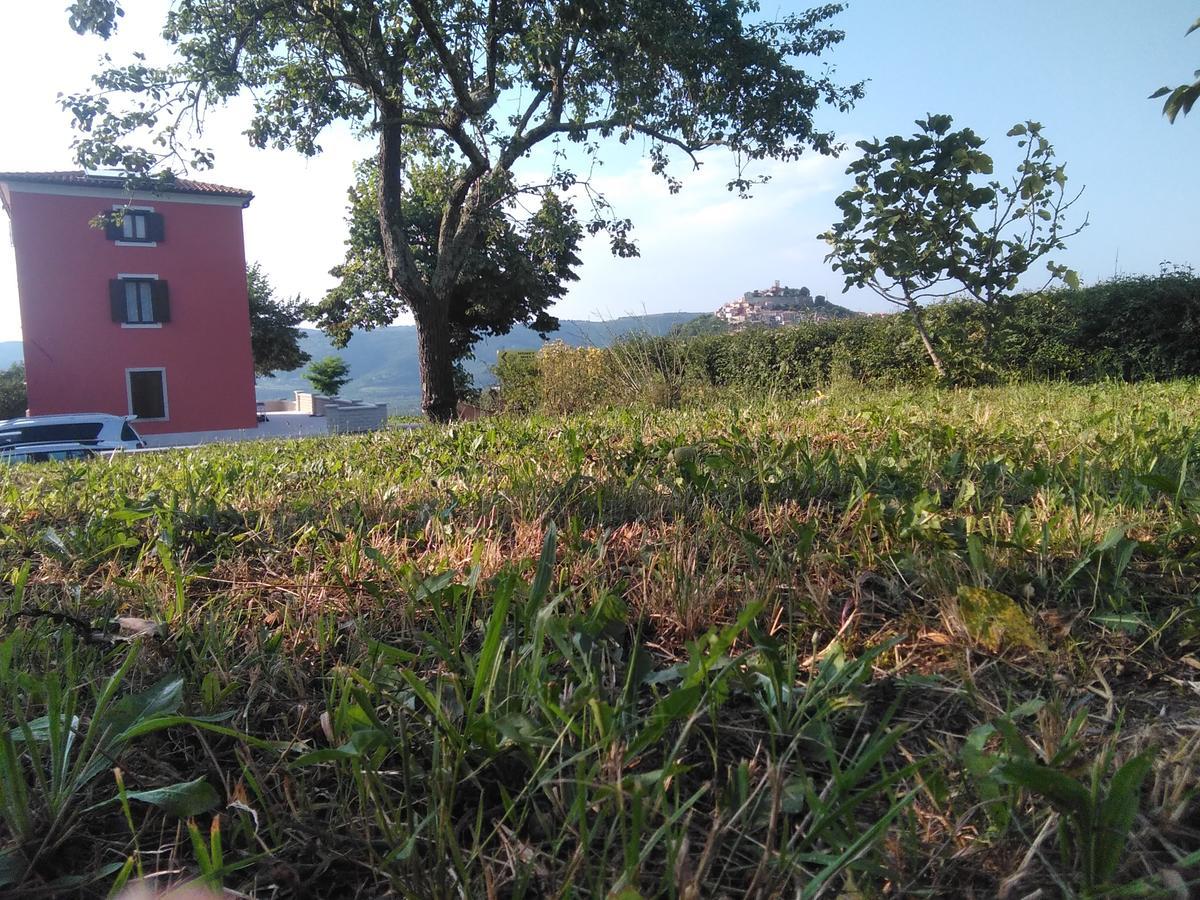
x: 274, y: 326
x: 518, y: 377
x: 699, y: 326
x: 482, y: 84
x: 524, y: 264
x: 13, y: 398
x: 1180, y: 99
x: 923, y: 221
x: 328, y: 376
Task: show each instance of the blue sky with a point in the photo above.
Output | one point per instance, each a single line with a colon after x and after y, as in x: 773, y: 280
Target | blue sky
x: 1081, y: 67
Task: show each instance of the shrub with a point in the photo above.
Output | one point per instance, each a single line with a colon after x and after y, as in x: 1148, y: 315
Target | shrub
x: 1141, y: 327
x: 573, y: 379
x: 1128, y: 329
x: 650, y: 369
x: 516, y: 374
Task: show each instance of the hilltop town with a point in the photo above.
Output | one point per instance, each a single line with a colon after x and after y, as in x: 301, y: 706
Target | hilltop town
x: 779, y: 305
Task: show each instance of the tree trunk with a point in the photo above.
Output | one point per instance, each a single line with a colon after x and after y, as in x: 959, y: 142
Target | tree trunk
x: 918, y: 317
x: 429, y: 307
x: 439, y: 401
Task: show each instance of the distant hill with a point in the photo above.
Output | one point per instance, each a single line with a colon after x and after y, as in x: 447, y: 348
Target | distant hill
x: 701, y: 326
x: 383, y: 363
x: 10, y: 352
x: 711, y: 323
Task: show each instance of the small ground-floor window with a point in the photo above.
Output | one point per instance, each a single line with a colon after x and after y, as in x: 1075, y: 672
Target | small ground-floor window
x: 147, y: 393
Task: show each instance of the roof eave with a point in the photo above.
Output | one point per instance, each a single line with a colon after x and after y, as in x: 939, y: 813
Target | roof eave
x: 56, y: 180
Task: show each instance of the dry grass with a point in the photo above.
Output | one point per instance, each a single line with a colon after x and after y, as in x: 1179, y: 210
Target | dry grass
x: 630, y: 731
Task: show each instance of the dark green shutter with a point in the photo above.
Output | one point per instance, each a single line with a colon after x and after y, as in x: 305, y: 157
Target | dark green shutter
x: 154, y: 227
x: 159, y: 297
x: 112, y: 230
x: 116, y: 299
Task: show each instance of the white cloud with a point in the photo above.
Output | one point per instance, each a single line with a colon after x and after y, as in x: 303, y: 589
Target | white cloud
x: 704, y: 245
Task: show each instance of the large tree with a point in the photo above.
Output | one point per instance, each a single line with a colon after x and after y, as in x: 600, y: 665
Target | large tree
x: 527, y: 258
x: 926, y: 221
x: 484, y: 80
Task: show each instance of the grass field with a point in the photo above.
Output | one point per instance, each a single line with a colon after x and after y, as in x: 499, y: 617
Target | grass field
x: 866, y: 644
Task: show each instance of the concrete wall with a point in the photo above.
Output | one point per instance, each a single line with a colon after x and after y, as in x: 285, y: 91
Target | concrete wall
x: 347, y: 416
x: 340, y: 415
x: 311, y: 404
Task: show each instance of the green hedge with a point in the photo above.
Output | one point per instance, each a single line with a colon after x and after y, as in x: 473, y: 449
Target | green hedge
x: 1128, y: 329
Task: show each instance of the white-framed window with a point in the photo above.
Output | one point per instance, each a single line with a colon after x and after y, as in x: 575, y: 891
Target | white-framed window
x: 147, y: 392
x: 139, y: 301
x: 134, y: 226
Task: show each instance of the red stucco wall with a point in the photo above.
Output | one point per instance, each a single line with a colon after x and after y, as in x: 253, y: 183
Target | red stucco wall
x: 76, y: 356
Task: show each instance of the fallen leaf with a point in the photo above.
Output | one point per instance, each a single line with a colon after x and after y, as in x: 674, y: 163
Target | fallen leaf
x: 132, y: 626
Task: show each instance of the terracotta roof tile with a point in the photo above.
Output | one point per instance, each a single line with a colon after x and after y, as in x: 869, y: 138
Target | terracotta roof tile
x: 87, y: 179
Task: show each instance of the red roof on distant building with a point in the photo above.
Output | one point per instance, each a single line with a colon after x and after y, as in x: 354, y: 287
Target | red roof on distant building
x: 110, y: 182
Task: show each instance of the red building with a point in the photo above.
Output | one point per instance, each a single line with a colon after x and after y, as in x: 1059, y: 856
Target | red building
x: 145, y: 317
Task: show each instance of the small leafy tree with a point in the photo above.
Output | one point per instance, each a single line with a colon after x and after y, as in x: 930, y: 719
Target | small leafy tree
x: 1180, y: 99
x: 922, y: 223
x: 13, y: 397
x: 274, y: 332
x: 328, y: 376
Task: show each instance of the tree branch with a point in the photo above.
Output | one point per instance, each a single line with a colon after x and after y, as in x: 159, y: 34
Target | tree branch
x: 493, y: 45
x: 471, y: 104
x: 537, y: 101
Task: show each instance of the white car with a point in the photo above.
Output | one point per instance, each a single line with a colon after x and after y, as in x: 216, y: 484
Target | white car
x: 99, y: 431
